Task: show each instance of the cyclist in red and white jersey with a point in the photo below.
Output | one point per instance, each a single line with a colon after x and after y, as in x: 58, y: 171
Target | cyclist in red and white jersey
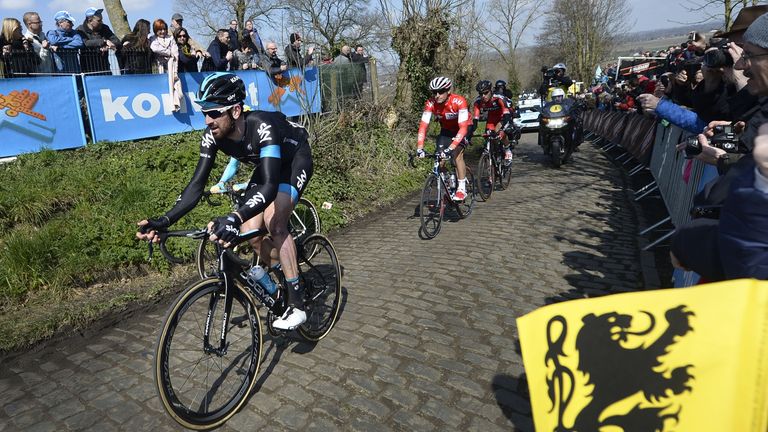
x: 452, y: 112
x: 493, y: 109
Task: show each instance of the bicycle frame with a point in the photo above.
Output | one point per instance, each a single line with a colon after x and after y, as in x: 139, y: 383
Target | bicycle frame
x: 442, y: 186
x: 231, y: 272
x: 494, y: 150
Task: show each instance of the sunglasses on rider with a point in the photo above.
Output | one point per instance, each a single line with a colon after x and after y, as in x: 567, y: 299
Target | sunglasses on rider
x: 487, y: 92
x: 216, y: 113
x: 436, y: 92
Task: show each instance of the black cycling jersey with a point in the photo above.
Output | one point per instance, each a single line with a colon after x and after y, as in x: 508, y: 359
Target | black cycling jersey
x: 279, y: 150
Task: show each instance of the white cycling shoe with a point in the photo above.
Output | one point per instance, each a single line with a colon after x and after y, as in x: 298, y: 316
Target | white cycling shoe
x: 291, y: 319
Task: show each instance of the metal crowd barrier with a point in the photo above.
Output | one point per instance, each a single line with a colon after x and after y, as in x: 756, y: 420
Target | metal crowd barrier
x: 341, y: 84
x: 653, y: 145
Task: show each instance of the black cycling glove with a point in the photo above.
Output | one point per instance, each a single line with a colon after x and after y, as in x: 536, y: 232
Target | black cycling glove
x: 227, y: 227
x: 158, y: 223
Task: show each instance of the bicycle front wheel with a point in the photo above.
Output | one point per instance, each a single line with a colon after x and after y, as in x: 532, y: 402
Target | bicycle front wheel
x: 431, y: 208
x: 198, y: 387
x: 485, y: 176
x: 321, y: 278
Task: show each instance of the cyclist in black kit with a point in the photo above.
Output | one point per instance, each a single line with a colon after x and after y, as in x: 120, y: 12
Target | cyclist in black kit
x: 280, y: 152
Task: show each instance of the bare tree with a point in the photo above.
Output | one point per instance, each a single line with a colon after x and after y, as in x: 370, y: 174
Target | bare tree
x: 724, y: 10
x: 424, y: 36
x: 207, y: 16
x: 117, y: 17
x: 582, y: 32
x: 507, y: 21
x: 333, y: 23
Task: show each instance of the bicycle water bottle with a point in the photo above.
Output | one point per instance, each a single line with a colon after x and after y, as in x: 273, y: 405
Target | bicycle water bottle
x: 453, y: 181
x: 257, y: 275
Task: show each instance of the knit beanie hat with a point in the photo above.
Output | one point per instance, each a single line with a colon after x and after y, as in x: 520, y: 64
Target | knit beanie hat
x: 757, y: 32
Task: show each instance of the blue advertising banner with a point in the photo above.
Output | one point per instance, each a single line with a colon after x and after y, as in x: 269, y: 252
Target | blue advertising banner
x: 139, y: 106
x: 37, y: 113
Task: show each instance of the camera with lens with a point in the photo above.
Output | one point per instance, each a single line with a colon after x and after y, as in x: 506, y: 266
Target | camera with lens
x: 724, y: 139
x: 719, y: 57
x: 664, y: 80
x: 548, y: 72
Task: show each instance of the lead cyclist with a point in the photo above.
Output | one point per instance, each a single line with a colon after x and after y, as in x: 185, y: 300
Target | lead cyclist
x: 278, y: 150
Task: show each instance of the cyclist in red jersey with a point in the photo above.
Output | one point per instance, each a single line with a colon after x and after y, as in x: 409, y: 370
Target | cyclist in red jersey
x: 494, y: 109
x: 452, y: 112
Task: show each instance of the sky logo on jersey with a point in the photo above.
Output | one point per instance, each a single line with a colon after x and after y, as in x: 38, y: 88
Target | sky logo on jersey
x: 264, y: 133
x: 300, y: 179
x: 208, y: 140
x: 256, y: 200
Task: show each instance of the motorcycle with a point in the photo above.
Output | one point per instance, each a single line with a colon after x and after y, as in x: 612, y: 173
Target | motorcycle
x: 557, y: 130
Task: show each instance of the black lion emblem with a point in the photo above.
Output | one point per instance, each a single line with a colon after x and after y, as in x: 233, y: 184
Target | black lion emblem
x: 617, y: 373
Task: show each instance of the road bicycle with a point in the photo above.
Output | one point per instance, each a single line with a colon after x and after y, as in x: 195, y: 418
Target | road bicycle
x: 437, y: 194
x: 492, y: 167
x: 304, y: 221
x: 210, y: 345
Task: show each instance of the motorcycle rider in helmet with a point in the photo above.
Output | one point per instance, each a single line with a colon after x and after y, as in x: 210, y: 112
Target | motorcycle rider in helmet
x: 493, y: 109
x: 558, y: 95
x: 554, y: 78
x: 452, y: 112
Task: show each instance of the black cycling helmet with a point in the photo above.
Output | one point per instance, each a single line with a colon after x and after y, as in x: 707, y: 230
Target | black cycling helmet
x: 501, y: 83
x: 220, y: 90
x: 483, y: 86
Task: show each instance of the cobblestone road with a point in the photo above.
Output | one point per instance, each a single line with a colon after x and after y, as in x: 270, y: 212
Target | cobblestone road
x: 427, y: 337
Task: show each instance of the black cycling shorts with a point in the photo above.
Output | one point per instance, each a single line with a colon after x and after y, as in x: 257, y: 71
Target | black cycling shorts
x: 294, y: 173
x: 445, y: 139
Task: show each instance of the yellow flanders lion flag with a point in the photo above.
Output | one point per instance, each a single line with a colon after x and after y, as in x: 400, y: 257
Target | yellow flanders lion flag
x: 693, y: 359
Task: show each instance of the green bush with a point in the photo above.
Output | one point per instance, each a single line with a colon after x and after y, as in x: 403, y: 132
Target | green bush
x: 69, y: 217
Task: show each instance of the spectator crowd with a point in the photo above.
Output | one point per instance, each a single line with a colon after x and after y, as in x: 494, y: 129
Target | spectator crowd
x: 86, y: 48
x: 716, y: 89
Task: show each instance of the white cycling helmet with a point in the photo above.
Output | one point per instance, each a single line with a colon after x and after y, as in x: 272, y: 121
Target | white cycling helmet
x: 558, y: 95
x: 440, y: 83
x: 559, y: 66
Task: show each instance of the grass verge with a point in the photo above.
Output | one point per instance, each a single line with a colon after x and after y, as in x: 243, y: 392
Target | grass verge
x: 67, y: 250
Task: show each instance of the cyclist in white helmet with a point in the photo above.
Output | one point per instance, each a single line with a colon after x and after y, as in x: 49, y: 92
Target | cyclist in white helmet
x: 452, y: 111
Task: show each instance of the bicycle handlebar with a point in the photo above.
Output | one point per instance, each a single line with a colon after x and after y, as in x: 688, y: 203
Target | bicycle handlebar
x: 196, y: 234
x: 412, y: 158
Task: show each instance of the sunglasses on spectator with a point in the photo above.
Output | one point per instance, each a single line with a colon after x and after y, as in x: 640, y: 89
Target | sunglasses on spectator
x: 436, y: 92
x: 182, y: 36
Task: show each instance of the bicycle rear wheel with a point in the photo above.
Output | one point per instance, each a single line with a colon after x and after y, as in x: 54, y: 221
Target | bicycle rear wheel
x: 199, y: 388
x: 207, y: 261
x: 464, y: 208
x: 321, y: 278
x: 431, y: 208
x: 485, y: 176
x: 304, y: 220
